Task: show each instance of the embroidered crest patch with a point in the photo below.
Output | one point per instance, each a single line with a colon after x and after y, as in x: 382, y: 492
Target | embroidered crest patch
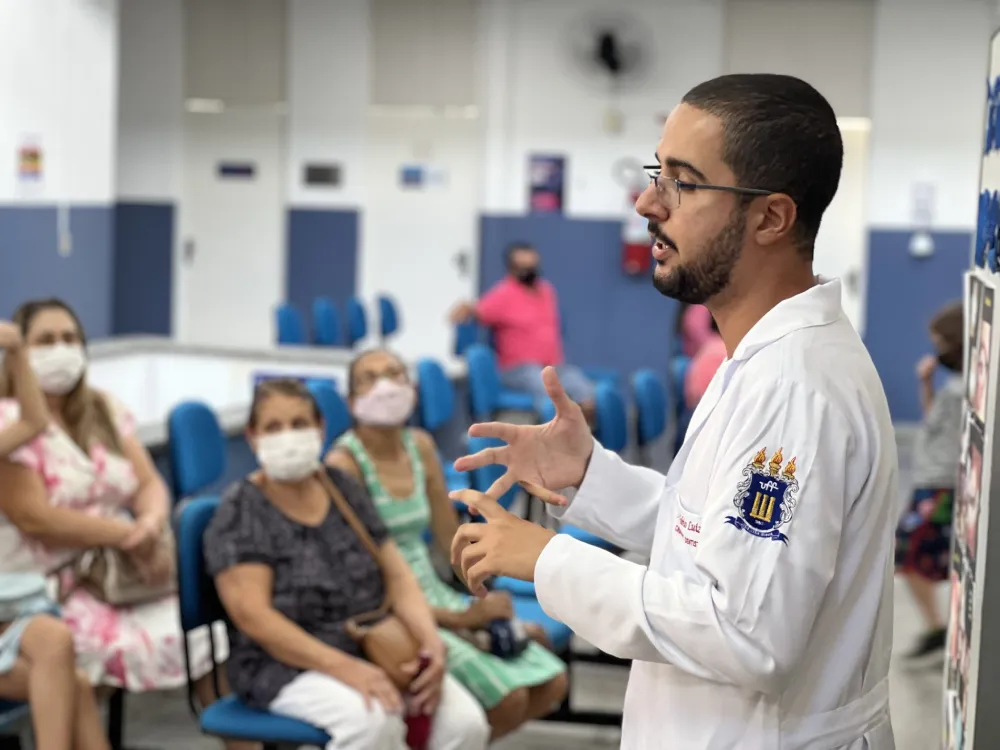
x: 765, y: 497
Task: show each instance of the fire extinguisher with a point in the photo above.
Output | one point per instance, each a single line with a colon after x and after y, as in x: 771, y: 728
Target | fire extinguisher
x: 636, y: 252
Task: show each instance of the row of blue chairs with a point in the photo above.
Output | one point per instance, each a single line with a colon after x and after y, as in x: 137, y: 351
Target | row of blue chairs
x: 328, y: 327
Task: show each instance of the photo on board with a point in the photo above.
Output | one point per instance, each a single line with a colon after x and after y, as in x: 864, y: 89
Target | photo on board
x: 980, y: 365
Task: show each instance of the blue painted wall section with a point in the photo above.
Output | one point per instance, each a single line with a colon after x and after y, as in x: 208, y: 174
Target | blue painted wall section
x: 143, y: 268
x: 31, y: 265
x: 903, y: 293
x: 613, y: 320
x: 322, y: 256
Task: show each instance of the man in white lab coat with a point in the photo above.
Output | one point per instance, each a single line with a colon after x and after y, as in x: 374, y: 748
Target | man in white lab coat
x: 764, y: 618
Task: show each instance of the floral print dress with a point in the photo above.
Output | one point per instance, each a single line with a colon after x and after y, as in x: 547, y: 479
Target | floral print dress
x: 138, y: 647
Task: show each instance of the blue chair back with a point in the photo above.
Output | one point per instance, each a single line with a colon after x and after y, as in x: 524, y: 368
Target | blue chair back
x: 291, y: 325
x: 436, y: 403
x: 466, y: 334
x: 198, y: 600
x: 388, y: 315
x: 650, y: 405
x: 483, y: 381
x: 481, y: 479
x: 335, y: 412
x: 327, y: 330
x: 357, y: 321
x: 197, y: 448
x: 612, y: 419
x: 678, y: 372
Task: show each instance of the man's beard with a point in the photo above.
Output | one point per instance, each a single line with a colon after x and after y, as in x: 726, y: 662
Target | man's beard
x: 709, y: 273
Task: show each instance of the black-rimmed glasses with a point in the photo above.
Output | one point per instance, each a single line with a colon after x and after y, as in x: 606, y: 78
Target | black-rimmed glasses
x: 669, y: 190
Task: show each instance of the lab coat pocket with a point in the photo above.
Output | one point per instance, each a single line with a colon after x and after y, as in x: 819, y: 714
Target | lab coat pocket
x: 687, y: 528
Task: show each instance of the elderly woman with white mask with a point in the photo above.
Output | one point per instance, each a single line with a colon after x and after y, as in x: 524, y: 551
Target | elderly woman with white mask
x: 401, y: 469
x: 299, y: 554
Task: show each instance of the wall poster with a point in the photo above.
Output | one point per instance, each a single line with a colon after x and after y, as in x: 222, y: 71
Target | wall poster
x: 546, y: 184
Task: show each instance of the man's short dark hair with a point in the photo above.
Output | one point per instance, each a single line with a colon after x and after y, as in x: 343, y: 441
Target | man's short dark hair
x: 513, y: 247
x: 780, y: 134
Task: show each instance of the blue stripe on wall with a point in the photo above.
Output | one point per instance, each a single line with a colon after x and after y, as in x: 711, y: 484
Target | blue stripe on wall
x: 903, y: 293
x: 612, y: 320
x: 143, y: 268
x: 31, y: 265
x: 322, y: 256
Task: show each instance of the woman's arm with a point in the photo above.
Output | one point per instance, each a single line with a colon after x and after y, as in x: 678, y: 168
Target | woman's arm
x: 34, y: 414
x: 245, y: 590
x: 407, y: 599
x: 444, y: 519
x: 24, y: 500
x: 151, y: 502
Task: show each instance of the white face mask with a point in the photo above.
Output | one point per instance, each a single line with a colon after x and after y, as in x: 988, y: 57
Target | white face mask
x: 387, y: 404
x: 58, y: 367
x: 289, y: 455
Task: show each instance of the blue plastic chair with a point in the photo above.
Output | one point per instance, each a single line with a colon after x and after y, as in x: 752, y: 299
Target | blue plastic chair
x: 650, y: 397
x: 197, y: 448
x: 357, y: 321
x: 388, y: 316
x: 327, y: 329
x: 486, y: 395
x: 435, y: 407
x: 612, y: 418
x: 227, y: 718
x: 335, y: 413
x: 467, y: 333
x: 291, y: 325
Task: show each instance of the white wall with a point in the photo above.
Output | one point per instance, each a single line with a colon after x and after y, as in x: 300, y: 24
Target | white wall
x: 928, y: 102
x: 540, y: 102
x: 327, y: 87
x: 151, y: 101
x: 58, y: 72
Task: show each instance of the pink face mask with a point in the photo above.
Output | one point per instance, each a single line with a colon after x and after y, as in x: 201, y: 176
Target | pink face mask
x: 387, y: 404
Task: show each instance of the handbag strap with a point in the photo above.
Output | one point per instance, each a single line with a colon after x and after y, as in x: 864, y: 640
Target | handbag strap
x: 348, y: 513
x: 358, y: 527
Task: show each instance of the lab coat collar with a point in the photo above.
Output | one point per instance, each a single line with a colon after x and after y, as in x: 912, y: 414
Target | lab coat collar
x: 817, y: 306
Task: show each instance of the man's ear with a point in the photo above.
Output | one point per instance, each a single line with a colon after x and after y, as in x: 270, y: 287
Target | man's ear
x: 776, y: 219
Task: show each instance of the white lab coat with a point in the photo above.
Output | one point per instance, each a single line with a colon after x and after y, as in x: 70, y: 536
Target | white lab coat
x: 764, y: 618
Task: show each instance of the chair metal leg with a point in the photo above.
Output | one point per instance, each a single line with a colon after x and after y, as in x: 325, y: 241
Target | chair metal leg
x: 116, y: 718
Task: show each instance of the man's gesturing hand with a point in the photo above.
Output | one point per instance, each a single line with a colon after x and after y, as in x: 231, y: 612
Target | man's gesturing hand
x: 503, y: 546
x: 542, y: 458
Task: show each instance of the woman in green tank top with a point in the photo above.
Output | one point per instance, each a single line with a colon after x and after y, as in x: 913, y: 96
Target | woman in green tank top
x: 401, y: 469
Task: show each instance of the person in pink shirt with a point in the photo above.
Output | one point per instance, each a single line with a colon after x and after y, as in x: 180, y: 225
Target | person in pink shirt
x: 522, y: 310
x: 704, y: 364
x: 695, y: 327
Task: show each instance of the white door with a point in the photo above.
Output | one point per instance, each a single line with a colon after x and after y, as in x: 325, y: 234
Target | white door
x: 232, y: 227
x: 842, y: 244
x: 420, y: 244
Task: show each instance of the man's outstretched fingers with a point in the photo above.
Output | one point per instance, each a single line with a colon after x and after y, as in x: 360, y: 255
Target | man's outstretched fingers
x: 499, y: 488
x: 562, y: 402
x: 536, y: 490
x: 482, y: 504
x: 485, y: 457
x: 500, y: 430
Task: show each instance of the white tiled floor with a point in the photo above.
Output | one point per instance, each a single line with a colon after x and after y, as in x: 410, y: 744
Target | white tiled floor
x: 162, y: 721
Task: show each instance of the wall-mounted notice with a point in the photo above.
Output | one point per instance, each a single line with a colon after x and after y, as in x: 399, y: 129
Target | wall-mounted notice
x: 412, y: 176
x: 237, y: 170
x: 546, y: 184
x: 322, y: 175
x: 30, y: 161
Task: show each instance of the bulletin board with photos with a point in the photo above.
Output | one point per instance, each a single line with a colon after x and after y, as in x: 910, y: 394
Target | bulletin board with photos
x: 973, y: 641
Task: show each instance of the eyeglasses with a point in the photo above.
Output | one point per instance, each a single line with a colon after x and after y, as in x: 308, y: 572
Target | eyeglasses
x: 669, y: 190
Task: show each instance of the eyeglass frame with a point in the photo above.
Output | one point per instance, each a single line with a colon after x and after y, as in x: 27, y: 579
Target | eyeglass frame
x: 682, y: 185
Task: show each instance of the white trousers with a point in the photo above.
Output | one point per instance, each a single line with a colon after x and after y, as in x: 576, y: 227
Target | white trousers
x: 459, y: 722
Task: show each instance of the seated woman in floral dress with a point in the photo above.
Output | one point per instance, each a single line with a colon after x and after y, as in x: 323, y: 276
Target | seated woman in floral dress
x: 401, y: 469
x: 37, y: 659
x: 87, y: 482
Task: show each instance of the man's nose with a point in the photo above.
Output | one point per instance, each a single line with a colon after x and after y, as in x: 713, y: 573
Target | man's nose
x: 649, y: 206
